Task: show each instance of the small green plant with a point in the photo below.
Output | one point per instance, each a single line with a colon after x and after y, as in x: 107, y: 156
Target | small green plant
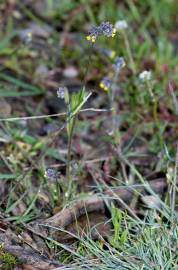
x: 74, y: 103
x: 145, y: 77
x: 120, y: 233
x: 8, y: 260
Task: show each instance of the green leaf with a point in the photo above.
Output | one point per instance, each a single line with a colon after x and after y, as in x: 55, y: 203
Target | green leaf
x: 29, y: 90
x: 7, y: 176
x: 4, y: 43
x: 55, y: 154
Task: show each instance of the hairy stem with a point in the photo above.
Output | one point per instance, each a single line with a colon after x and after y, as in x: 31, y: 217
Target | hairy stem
x: 129, y: 52
x: 68, y: 176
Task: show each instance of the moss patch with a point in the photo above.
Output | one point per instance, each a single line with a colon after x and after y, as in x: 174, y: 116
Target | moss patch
x: 8, y: 261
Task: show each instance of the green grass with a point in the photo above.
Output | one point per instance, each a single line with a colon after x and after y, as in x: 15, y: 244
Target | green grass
x: 150, y: 244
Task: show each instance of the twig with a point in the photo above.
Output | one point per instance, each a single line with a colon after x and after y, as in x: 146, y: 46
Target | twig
x: 30, y: 259
x: 49, y: 115
x: 97, y: 203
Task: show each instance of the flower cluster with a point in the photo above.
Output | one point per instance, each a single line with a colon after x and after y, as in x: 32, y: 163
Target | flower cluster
x: 61, y: 92
x: 93, y: 33
x: 118, y: 63
x: 105, y: 84
x: 26, y: 36
x: 50, y: 174
x: 145, y: 76
x: 121, y: 25
x: 105, y: 28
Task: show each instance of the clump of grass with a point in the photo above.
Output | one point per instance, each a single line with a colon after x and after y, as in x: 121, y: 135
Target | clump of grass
x: 150, y: 245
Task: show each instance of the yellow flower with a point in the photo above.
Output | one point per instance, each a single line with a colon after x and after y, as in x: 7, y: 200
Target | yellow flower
x: 112, y: 54
x: 101, y: 85
x: 93, y: 39
x: 105, y: 84
x: 88, y: 38
x: 113, y: 32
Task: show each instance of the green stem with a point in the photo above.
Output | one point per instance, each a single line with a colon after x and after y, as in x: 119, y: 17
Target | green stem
x: 58, y: 192
x: 113, y: 106
x: 112, y: 99
x: 68, y: 176
x: 155, y: 106
x: 88, y: 65
x: 132, y: 64
x: 154, y: 101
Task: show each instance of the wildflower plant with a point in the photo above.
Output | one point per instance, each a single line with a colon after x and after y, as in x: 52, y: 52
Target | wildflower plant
x: 108, y: 83
x: 118, y: 64
x: 105, y: 28
x: 145, y: 78
x: 52, y: 176
x: 74, y: 103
